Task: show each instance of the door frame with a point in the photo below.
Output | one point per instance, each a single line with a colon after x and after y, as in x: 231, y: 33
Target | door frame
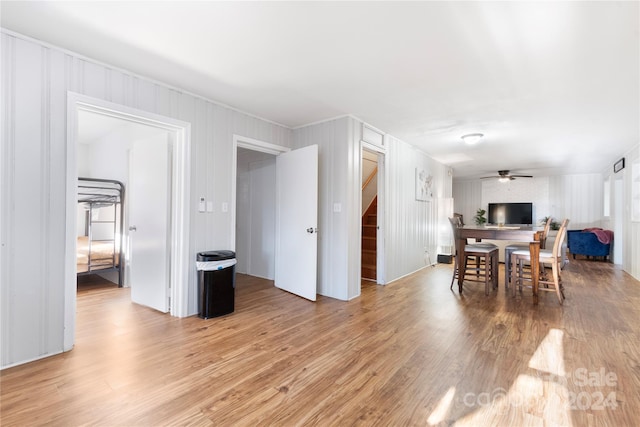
x: 240, y: 141
x: 180, y: 261
x: 617, y: 255
x: 380, y: 233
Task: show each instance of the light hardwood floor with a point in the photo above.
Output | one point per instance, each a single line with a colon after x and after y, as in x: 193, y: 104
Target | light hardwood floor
x: 409, y: 353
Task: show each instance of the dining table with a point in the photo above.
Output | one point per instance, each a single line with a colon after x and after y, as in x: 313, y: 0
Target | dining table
x: 513, y: 233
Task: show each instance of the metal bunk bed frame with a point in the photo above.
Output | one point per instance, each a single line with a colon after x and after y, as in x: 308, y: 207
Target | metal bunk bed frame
x: 98, y: 192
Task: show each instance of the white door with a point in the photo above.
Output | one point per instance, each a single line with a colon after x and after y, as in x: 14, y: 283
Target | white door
x: 148, y: 198
x: 297, y: 221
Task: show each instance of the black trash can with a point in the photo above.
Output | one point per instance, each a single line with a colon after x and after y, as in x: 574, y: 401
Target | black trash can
x: 216, y: 283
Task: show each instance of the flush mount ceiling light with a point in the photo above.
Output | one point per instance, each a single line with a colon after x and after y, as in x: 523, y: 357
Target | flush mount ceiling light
x: 472, y: 138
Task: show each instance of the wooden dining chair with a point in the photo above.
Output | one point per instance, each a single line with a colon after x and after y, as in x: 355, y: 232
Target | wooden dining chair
x: 552, y: 257
x: 480, y: 261
x: 460, y: 217
x: 509, y: 249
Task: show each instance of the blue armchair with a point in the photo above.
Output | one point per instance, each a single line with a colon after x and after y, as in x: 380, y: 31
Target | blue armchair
x: 586, y: 243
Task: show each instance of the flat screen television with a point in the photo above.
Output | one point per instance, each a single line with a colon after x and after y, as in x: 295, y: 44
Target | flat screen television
x: 511, y: 213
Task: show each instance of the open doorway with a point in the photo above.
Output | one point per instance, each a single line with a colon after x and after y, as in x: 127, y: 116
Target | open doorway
x: 369, y: 213
x: 255, y: 213
x: 253, y: 205
x: 372, y: 214
x: 295, y: 208
x: 107, y: 173
x: 170, y: 154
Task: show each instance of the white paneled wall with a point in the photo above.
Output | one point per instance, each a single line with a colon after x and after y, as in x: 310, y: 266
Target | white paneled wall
x: 412, y: 225
x: 35, y: 81
x: 263, y: 218
x: 467, y: 198
x: 579, y: 198
x: 353, y: 184
x: 332, y: 138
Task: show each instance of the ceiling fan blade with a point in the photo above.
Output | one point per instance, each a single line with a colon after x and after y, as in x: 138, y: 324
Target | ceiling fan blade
x: 504, y: 174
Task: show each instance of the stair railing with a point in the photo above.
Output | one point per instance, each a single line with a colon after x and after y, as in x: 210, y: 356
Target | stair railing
x: 368, y: 196
x: 370, y: 177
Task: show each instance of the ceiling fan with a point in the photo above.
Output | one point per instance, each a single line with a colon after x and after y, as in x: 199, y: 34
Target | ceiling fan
x: 504, y: 176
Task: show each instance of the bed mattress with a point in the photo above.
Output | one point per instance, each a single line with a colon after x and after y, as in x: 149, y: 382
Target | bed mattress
x: 101, y: 255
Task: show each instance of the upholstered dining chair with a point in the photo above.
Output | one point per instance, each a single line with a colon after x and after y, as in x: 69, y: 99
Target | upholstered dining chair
x: 552, y: 257
x: 508, y: 250
x: 484, y: 261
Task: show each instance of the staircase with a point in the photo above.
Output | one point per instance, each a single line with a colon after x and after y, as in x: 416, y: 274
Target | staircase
x: 369, y: 230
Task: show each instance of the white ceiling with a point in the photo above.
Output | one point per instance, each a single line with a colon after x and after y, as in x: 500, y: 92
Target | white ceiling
x: 554, y: 86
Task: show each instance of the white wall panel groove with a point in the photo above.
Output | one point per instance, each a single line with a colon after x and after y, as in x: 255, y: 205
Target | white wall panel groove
x: 45, y: 176
x: 7, y: 211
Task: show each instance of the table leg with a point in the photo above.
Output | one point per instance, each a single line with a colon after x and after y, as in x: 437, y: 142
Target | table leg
x: 514, y: 275
x: 460, y: 244
x: 534, y: 252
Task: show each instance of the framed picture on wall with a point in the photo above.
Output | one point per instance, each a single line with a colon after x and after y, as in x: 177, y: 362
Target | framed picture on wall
x: 618, y: 166
x: 424, y: 182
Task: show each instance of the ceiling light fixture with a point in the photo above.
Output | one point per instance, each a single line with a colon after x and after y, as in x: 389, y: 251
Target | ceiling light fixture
x: 504, y: 179
x: 472, y: 138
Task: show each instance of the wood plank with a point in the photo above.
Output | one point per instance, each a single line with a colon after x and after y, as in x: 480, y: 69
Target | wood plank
x: 389, y: 357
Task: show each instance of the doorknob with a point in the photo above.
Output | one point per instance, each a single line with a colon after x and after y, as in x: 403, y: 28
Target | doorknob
x: 312, y: 230
x: 133, y: 228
